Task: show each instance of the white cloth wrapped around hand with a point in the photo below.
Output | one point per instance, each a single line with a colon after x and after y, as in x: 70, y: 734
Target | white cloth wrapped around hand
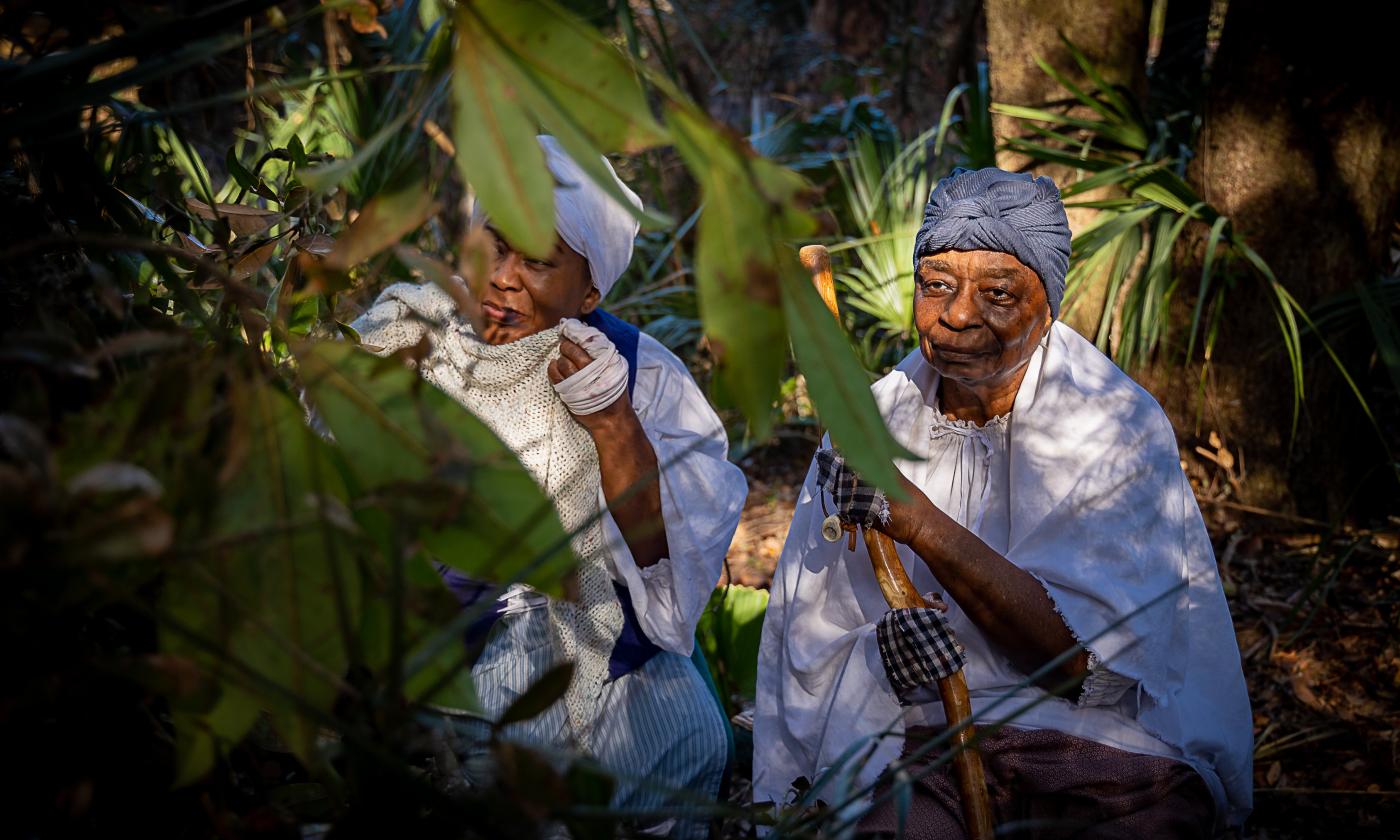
x: 602, y: 381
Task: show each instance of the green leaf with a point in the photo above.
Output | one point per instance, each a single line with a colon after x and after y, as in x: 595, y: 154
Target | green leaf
x: 903, y: 800
x: 1064, y: 81
x: 1170, y: 191
x: 542, y: 694
x: 1051, y: 155
x: 1107, y: 228
x: 840, y: 387
x: 584, y: 76
x: 544, y: 68
x: 1108, y: 91
x: 1124, y: 252
x: 1207, y: 272
x: 443, y: 679
x: 590, y: 785
x: 495, y: 138
x: 729, y: 632
x: 479, y: 509
x: 278, y: 594
x: 1127, y: 135
x: 242, y: 176
x: 1111, y: 177
x: 751, y: 214
x: 1284, y: 307
x: 1385, y: 330
x: 297, y: 151
x: 946, y: 118
x: 325, y: 177
x: 200, y: 737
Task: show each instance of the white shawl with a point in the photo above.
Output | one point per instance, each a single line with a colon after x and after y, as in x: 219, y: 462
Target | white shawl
x: 1099, y: 511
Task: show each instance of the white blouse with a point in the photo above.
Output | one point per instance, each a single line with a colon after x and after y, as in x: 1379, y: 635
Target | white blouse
x: 702, y: 496
x: 967, y: 475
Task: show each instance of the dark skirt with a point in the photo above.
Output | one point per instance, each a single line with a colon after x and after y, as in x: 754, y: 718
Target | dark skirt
x: 1046, y: 784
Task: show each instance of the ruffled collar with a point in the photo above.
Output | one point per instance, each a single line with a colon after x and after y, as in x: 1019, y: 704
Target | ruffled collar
x: 943, y: 422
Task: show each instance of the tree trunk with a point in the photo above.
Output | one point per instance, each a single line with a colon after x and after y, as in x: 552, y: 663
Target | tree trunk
x: 1113, y: 35
x: 1299, y: 147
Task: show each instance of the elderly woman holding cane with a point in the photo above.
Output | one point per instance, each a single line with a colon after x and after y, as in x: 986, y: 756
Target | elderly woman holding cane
x: 1047, y: 505
x: 594, y: 409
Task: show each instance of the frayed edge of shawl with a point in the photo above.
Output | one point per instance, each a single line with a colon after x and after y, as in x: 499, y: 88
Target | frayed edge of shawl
x: 1142, y: 688
x: 1225, y: 812
x: 881, y: 509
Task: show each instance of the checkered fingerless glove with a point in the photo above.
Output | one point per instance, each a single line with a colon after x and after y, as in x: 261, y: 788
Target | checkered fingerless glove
x: 918, y: 649
x: 857, y: 503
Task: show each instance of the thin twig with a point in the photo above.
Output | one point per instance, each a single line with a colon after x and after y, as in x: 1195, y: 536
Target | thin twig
x: 1288, y: 517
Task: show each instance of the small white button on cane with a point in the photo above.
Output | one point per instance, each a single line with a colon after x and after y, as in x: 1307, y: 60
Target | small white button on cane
x: 831, y: 528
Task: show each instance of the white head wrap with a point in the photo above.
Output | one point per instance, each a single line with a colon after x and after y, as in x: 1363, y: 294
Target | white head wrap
x: 588, y: 219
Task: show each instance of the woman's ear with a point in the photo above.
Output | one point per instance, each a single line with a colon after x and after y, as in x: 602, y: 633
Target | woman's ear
x: 590, y: 300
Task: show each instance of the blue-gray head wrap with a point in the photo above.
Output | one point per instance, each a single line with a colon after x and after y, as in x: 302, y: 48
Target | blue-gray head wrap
x: 994, y: 210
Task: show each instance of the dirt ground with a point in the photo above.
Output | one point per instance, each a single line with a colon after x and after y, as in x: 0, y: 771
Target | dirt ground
x: 1317, y: 619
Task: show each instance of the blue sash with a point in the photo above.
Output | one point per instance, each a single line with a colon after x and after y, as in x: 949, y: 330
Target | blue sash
x: 633, y: 648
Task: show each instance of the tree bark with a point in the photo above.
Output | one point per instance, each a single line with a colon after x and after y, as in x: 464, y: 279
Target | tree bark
x: 1299, y: 148
x: 1113, y: 35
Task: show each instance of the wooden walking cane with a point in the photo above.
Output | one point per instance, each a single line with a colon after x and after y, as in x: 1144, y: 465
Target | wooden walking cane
x: 900, y: 593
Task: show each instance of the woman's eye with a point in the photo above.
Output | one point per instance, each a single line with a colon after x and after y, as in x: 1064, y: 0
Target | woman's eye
x: 999, y: 295
x: 935, y: 286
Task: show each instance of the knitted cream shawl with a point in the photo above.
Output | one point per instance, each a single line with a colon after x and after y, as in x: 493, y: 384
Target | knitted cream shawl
x: 508, y: 388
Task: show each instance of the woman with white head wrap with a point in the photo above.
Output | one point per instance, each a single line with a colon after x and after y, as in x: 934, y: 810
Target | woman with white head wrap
x: 593, y: 408
x: 1047, y: 504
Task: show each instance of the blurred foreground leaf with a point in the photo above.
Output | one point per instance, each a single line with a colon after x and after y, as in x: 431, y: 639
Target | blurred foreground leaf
x: 520, y: 66
x: 432, y: 462
x: 751, y: 215
x: 840, y: 387
x: 263, y: 606
x: 542, y: 693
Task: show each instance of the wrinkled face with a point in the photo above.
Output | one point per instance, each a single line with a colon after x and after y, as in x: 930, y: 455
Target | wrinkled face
x: 525, y: 296
x: 980, y: 314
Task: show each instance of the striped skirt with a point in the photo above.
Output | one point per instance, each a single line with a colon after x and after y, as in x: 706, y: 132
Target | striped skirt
x: 659, y: 730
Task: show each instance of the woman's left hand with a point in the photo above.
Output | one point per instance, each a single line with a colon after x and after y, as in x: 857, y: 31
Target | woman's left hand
x: 591, y: 378
x: 908, y: 518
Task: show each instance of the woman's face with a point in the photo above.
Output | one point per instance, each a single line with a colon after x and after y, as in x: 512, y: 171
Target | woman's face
x: 980, y: 314
x: 525, y: 296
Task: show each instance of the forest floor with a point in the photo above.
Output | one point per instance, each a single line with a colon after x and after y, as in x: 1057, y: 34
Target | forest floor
x: 1317, y: 620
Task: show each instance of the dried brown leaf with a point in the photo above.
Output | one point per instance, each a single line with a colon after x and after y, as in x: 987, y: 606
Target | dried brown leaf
x: 317, y: 243
x: 242, y: 220
x: 251, y: 262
